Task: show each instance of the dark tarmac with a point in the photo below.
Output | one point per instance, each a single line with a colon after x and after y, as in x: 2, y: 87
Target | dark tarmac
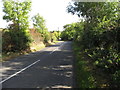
x: 51, y: 67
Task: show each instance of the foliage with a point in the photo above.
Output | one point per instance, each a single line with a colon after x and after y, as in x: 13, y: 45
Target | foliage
x: 69, y: 30
x: 39, y: 24
x: 55, y: 35
x: 116, y: 78
x: 16, y: 12
x: 99, y: 33
x: 84, y: 75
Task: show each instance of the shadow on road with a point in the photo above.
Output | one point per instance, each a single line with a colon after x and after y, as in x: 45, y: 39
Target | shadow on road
x: 53, y: 71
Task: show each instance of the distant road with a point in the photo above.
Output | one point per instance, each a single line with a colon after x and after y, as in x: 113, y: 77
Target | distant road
x: 49, y: 68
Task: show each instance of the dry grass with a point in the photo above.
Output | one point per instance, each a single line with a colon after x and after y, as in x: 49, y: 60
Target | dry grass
x: 36, y: 45
x: 33, y: 48
x: 9, y: 56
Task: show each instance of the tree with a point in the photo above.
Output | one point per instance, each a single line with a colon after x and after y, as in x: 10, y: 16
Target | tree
x: 100, y: 37
x: 99, y: 17
x: 39, y: 24
x: 95, y: 13
x: 69, y: 31
x: 17, y: 13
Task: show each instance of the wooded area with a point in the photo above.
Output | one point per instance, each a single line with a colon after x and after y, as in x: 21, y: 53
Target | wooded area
x: 98, y: 37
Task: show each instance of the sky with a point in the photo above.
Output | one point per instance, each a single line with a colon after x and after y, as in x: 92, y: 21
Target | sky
x: 53, y: 11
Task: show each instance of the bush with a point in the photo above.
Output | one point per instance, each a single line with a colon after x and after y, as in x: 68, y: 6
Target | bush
x: 116, y: 78
x: 15, y: 41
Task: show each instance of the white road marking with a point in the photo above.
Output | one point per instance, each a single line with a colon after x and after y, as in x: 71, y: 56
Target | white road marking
x: 56, y: 49
x: 53, y: 51
x: 19, y: 71
x: 61, y: 45
x: 27, y: 66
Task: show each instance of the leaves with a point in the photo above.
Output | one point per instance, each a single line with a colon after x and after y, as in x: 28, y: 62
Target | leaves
x: 99, y: 35
x: 69, y: 31
x: 39, y: 24
x: 17, y: 13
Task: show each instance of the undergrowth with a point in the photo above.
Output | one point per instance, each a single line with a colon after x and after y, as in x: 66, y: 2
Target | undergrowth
x: 85, y: 78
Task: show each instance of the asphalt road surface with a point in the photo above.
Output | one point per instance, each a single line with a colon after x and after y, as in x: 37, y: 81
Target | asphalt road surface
x: 51, y: 67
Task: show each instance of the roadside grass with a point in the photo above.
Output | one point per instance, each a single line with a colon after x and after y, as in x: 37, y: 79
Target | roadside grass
x: 84, y: 76
x: 58, y: 41
x: 87, y: 74
x: 11, y: 55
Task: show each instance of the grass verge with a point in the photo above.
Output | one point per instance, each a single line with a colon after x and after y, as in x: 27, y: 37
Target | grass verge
x: 88, y: 75
x: 84, y: 76
x: 11, y: 55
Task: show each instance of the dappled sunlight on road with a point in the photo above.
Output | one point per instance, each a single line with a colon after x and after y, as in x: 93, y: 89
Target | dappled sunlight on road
x: 6, y: 70
x: 54, y: 69
x: 59, y: 86
x: 65, y: 66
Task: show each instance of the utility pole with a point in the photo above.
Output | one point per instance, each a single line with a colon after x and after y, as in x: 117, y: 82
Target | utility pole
x: 58, y: 34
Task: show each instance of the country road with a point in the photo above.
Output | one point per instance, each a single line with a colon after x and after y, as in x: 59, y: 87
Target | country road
x: 51, y: 67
